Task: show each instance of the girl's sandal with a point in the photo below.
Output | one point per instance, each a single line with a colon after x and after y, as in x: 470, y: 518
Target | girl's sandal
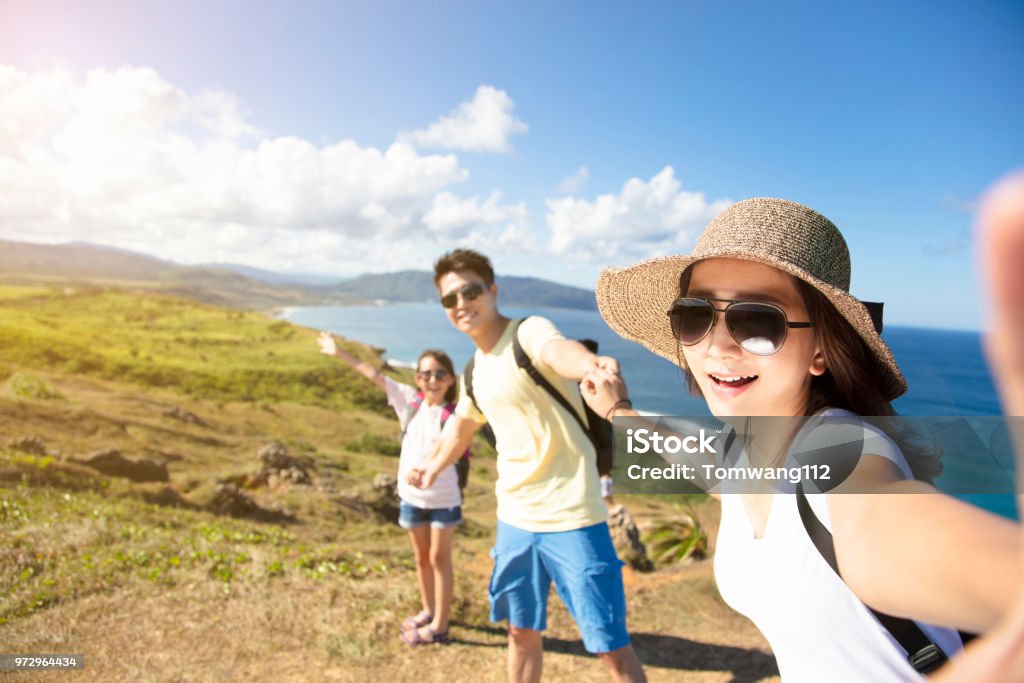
x: 417, y: 636
x: 418, y: 620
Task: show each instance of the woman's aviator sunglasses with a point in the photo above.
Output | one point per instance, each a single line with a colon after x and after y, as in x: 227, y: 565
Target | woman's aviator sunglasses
x: 468, y: 293
x: 759, y: 328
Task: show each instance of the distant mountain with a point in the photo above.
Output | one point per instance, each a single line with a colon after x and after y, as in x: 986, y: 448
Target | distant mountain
x: 530, y: 291
x: 307, y: 279
x: 247, y: 287
x: 403, y: 285
x: 21, y: 262
x: 81, y: 260
x: 418, y: 285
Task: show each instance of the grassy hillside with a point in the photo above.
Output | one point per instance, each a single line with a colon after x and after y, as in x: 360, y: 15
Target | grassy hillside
x: 225, y: 573
x: 156, y: 340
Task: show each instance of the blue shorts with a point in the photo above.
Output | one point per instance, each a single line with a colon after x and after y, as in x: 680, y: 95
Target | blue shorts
x: 410, y: 516
x: 586, y: 572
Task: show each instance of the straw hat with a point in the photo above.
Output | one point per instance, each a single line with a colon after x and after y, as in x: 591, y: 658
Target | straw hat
x: 775, y: 232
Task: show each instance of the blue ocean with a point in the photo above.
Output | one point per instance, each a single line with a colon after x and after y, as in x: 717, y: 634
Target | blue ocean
x: 945, y: 370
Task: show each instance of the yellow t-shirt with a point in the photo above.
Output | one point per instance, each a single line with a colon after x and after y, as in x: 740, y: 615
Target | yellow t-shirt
x: 547, y: 474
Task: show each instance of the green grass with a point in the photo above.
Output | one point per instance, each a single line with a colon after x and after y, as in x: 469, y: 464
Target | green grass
x: 153, y: 340
x: 153, y: 586
x: 90, y: 367
x: 63, y: 545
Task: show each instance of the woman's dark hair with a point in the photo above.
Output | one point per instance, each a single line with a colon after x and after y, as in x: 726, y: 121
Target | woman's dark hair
x: 854, y: 380
x: 464, y: 259
x: 446, y: 362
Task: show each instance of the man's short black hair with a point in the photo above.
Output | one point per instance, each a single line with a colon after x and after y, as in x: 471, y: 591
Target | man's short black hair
x: 464, y: 259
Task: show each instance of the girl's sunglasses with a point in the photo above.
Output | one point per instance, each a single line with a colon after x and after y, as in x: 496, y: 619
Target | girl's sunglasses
x: 439, y: 375
x: 468, y: 293
x: 757, y: 327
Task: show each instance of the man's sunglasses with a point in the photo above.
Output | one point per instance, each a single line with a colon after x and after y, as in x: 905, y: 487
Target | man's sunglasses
x: 436, y: 374
x: 759, y: 328
x: 468, y: 293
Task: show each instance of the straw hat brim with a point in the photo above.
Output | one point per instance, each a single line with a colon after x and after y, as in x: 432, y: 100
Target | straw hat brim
x: 634, y: 302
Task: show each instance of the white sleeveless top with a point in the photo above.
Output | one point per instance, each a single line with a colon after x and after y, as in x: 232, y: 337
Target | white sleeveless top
x: 818, y: 629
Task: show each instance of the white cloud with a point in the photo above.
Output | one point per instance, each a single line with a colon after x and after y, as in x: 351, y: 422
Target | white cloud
x: 29, y: 106
x: 126, y: 158
x: 452, y: 217
x: 221, y: 113
x: 483, y: 124
x: 576, y: 182
x: 645, y: 219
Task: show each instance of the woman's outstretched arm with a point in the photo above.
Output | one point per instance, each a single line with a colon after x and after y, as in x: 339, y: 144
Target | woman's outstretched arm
x: 907, y: 550
x: 999, y: 656
x: 948, y: 562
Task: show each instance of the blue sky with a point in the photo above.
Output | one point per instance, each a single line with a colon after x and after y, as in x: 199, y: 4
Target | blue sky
x: 558, y: 137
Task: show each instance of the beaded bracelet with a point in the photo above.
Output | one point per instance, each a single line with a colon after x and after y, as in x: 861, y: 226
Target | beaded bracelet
x: 621, y: 403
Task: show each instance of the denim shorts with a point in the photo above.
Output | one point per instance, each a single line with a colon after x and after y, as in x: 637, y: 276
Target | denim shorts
x: 585, y: 570
x: 410, y: 516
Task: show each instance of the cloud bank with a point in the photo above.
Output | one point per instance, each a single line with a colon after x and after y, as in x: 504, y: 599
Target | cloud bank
x: 125, y: 158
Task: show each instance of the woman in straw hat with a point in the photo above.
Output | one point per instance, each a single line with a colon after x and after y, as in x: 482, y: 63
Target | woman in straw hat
x: 761, y: 319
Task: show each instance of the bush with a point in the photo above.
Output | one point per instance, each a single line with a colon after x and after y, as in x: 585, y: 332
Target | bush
x: 25, y: 386
x: 372, y: 443
x: 677, y: 539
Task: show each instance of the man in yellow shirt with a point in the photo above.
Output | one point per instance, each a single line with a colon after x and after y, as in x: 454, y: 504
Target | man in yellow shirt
x: 551, y: 519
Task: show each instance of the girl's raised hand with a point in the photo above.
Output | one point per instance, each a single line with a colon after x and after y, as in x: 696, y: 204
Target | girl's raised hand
x: 327, y: 344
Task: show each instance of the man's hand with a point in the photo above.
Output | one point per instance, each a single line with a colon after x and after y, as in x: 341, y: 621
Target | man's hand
x: 608, y: 364
x: 602, y: 389
x: 327, y: 345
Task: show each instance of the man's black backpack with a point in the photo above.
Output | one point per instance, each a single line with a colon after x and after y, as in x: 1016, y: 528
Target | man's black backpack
x: 598, y: 429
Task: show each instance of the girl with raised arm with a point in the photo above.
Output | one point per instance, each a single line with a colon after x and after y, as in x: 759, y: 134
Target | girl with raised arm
x: 430, y: 515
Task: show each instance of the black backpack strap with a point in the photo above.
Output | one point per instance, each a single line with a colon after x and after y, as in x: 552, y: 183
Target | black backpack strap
x: 924, y: 655
x: 467, y: 379
x: 524, y: 362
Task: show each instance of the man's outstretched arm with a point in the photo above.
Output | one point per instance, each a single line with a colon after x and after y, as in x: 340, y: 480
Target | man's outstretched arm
x: 572, y: 360
x: 455, y: 439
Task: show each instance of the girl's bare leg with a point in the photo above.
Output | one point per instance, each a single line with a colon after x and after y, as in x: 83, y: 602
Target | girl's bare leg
x: 443, y: 576
x: 420, y: 537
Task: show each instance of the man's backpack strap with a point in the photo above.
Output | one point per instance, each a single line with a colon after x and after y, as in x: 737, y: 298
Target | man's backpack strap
x: 467, y: 378
x: 598, y: 430
x: 924, y: 655
x: 524, y: 362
